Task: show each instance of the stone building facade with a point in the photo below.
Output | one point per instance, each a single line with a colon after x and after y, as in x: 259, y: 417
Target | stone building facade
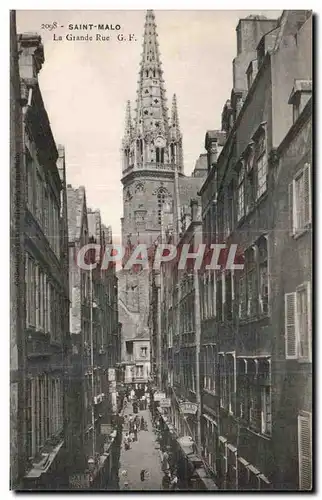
x: 256, y: 340
x: 17, y: 295
x: 80, y: 415
x: 94, y: 330
x: 39, y: 318
x: 151, y: 157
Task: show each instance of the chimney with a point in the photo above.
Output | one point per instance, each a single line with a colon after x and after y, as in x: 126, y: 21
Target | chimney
x: 194, y: 210
x: 31, y: 57
x: 250, y: 31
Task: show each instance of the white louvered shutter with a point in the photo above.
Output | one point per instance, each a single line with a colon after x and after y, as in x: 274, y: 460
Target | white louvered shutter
x: 37, y: 296
x: 309, y: 320
x: 291, y: 207
x: 305, y: 451
x: 290, y: 326
x: 307, y: 193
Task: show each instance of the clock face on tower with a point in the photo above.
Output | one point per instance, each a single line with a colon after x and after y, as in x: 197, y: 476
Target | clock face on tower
x: 159, y: 142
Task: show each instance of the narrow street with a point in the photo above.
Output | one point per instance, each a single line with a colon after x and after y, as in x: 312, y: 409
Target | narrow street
x: 142, y: 455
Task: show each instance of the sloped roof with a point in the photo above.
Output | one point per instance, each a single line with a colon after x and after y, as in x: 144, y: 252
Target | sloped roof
x: 188, y: 188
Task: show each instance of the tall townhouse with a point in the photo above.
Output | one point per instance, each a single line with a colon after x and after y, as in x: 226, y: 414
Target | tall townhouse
x: 41, y: 329
x: 110, y: 286
x: 291, y: 289
x: 93, y: 322
x: 256, y: 403
x: 105, y: 319
x: 17, y: 259
x: 79, y: 292
x: 177, y: 328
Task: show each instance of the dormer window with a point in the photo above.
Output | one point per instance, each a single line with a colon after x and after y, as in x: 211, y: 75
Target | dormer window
x: 300, y: 95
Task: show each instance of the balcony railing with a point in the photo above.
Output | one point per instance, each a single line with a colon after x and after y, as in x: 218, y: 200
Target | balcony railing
x: 151, y: 166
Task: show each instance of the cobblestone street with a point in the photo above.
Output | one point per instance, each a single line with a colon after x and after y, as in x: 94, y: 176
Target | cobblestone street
x: 142, y: 455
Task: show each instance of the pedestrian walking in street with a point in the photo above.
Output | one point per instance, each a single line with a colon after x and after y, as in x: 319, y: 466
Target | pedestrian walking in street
x: 131, y: 424
x: 127, y: 442
x: 135, y: 431
x: 165, y: 462
x: 174, y: 481
x: 166, y: 480
x: 142, y: 423
x: 142, y: 475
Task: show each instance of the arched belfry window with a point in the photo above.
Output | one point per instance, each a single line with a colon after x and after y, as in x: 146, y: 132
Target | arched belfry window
x: 139, y: 144
x: 126, y: 158
x: 161, y: 196
x: 159, y: 152
x: 172, y: 152
x: 128, y: 195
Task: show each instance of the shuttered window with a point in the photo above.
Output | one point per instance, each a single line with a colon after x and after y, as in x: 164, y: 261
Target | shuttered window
x: 242, y: 297
x: 28, y: 419
x: 241, y: 192
x: 290, y: 327
x: 305, y: 451
x: 299, y: 190
x: 27, y: 289
x: 223, y: 381
x: 298, y: 323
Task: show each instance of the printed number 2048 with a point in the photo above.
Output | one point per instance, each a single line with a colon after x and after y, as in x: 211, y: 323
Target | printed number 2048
x: 49, y: 27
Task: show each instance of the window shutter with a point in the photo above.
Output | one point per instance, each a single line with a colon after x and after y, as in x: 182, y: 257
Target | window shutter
x: 226, y: 459
x: 307, y: 193
x: 37, y: 296
x: 305, y: 451
x: 309, y: 320
x: 291, y: 207
x: 290, y: 326
x: 27, y: 289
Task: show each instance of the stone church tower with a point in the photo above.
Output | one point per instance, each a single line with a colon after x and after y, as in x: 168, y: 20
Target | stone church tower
x: 152, y: 157
x: 151, y: 148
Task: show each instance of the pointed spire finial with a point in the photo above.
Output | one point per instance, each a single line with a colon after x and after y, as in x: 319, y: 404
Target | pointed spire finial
x: 151, y: 110
x: 128, y: 120
x: 175, y: 128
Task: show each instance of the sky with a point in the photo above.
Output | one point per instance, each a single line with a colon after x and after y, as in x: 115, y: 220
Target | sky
x: 85, y: 86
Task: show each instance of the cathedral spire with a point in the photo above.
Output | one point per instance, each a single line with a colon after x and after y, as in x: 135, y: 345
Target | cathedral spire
x: 151, y: 110
x: 127, y: 152
x: 176, y: 137
x: 151, y: 144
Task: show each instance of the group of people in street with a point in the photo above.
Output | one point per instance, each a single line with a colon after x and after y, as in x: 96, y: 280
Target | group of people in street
x: 132, y: 425
x: 170, y: 478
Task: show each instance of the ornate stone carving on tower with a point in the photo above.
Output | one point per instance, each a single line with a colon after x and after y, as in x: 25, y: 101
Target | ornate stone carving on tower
x: 152, y: 158
x: 151, y: 146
